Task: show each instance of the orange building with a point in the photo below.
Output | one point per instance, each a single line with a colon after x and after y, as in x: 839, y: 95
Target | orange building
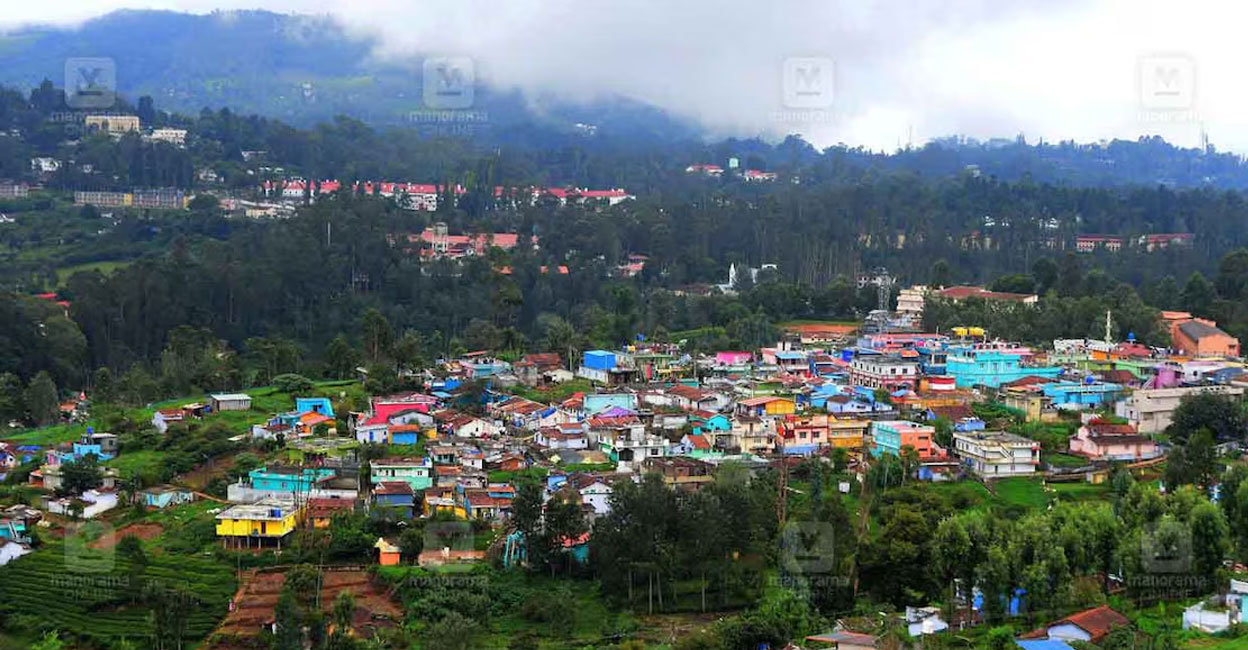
x: 1198, y: 337
x: 387, y: 554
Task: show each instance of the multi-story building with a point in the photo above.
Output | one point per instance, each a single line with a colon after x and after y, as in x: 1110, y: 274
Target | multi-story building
x: 169, y: 199
x: 14, y: 190
x: 993, y: 364
x: 416, y: 472
x: 112, y: 124
x: 172, y: 136
x: 103, y: 199
x: 1151, y: 410
x: 995, y: 454
x: 891, y: 436
x: 879, y: 371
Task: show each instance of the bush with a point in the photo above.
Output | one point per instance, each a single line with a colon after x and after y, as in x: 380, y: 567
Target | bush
x: 292, y: 383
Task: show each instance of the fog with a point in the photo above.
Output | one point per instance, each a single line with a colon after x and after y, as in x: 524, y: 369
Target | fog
x: 879, y: 75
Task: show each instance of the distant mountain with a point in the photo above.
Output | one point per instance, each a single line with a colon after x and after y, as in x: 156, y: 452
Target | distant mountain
x: 300, y: 69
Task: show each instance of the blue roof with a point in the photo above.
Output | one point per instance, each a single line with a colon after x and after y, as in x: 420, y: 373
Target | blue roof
x: 1050, y: 644
x: 790, y: 355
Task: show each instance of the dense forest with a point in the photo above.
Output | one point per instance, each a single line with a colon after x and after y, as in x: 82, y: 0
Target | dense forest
x: 271, y: 296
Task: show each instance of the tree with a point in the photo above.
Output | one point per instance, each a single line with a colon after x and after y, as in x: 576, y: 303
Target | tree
x: 377, y: 334
x: 344, y: 612
x: 41, y: 399
x: 1222, y: 415
x: 1014, y: 283
x: 454, y: 632
x: 293, y: 384
x: 1069, y: 276
x: 1045, y: 271
x: 1209, y: 537
x: 941, y: 274
x: 340, y: 358
x: 49, y: 641
x: 1198, y: 294
x: 80, y: 475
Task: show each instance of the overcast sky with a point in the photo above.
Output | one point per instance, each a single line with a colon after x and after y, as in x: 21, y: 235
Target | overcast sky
x: 891, y: 71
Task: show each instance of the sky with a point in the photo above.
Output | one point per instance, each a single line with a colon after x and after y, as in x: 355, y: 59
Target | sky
x: 875, y: 74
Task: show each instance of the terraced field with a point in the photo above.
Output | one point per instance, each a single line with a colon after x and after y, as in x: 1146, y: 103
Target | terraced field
x: 93, y: 593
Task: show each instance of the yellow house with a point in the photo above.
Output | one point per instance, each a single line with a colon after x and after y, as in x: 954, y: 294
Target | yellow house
x: 269, y: 519
x: 766, y: 405
x: 442, y: 499
x: 847, y: 433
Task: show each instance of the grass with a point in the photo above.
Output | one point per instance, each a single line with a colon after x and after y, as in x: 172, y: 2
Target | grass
x: 139, y: 463
x: 1021, y: 491
x: 106, y: 267
x: 1080, y: 491
x: 1056, y: 459
x: 49, y: 435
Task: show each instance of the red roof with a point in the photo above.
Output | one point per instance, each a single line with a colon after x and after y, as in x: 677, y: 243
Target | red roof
x: 1097, y: 621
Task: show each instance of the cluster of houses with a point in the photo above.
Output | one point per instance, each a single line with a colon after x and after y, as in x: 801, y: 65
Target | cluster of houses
x: 426, y: 197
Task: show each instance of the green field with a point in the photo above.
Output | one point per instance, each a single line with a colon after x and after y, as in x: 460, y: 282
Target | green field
x: 106, y: 267
x: 1026, y: 492
x: 95, y: 594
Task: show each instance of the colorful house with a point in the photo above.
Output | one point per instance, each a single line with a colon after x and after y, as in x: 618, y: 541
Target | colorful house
x: 416, y: 472
x: 267, y: 521
x: 165, y: 497
x: 769, y: 405
x: 993, y: 364
x: 321, y: 511
x: 1103, y: 440
x: 395, y: 495
x: 891, y: 436
x: 319, y: 405
x: 388, y: 554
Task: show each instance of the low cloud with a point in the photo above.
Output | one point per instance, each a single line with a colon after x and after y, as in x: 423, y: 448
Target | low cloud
x: 904, y: 71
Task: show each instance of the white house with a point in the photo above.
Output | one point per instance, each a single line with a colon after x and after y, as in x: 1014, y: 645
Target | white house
x: 993, y: 454
x: 230, y: 402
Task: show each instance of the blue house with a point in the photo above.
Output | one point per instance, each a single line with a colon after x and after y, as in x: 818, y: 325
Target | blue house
x: 599, y: 402
x: 395, y: 495
x: 710, y: 425
x: 993, y: 366
x: 289, y: 479
x: 320, y: 405
x: 1081, y: 395
x: 404, y: 435
x: 164, y: 497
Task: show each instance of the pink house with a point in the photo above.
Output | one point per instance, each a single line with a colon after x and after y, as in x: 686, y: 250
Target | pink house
x: 732, y: 358
x: 1103, y: 440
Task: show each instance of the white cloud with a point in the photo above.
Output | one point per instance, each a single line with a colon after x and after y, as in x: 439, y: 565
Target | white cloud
x: 1057, y: 70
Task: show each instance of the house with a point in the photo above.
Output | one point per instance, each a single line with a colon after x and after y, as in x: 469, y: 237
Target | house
x: 1103, y: 440
x: 416, y: 472
x: 561, y: 438
x: 845, y: 640
x: 766, y: 405
x: 321, y: 511
x: 879, y: 371
x: 688, y: 398
x: 388, y: 554
x: 165, y: 496
x: 1084, y: 395
x: 230, y: 402
x: 892, y: 436
x: 680, y: 473
x: 1198, y: 337
x: 536, y: 369
x: 162, y: 418
x: 1150, y: 410
x: 993, y: 454
x: 88, y: 505
x: 404, y: 434
x: 320, y: 405
x: 264, y: 522
x: 395, y: 495
x: 1089, y: 626
x: 753, y: 435
x: 993, y: 364
x: 959, y: 293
